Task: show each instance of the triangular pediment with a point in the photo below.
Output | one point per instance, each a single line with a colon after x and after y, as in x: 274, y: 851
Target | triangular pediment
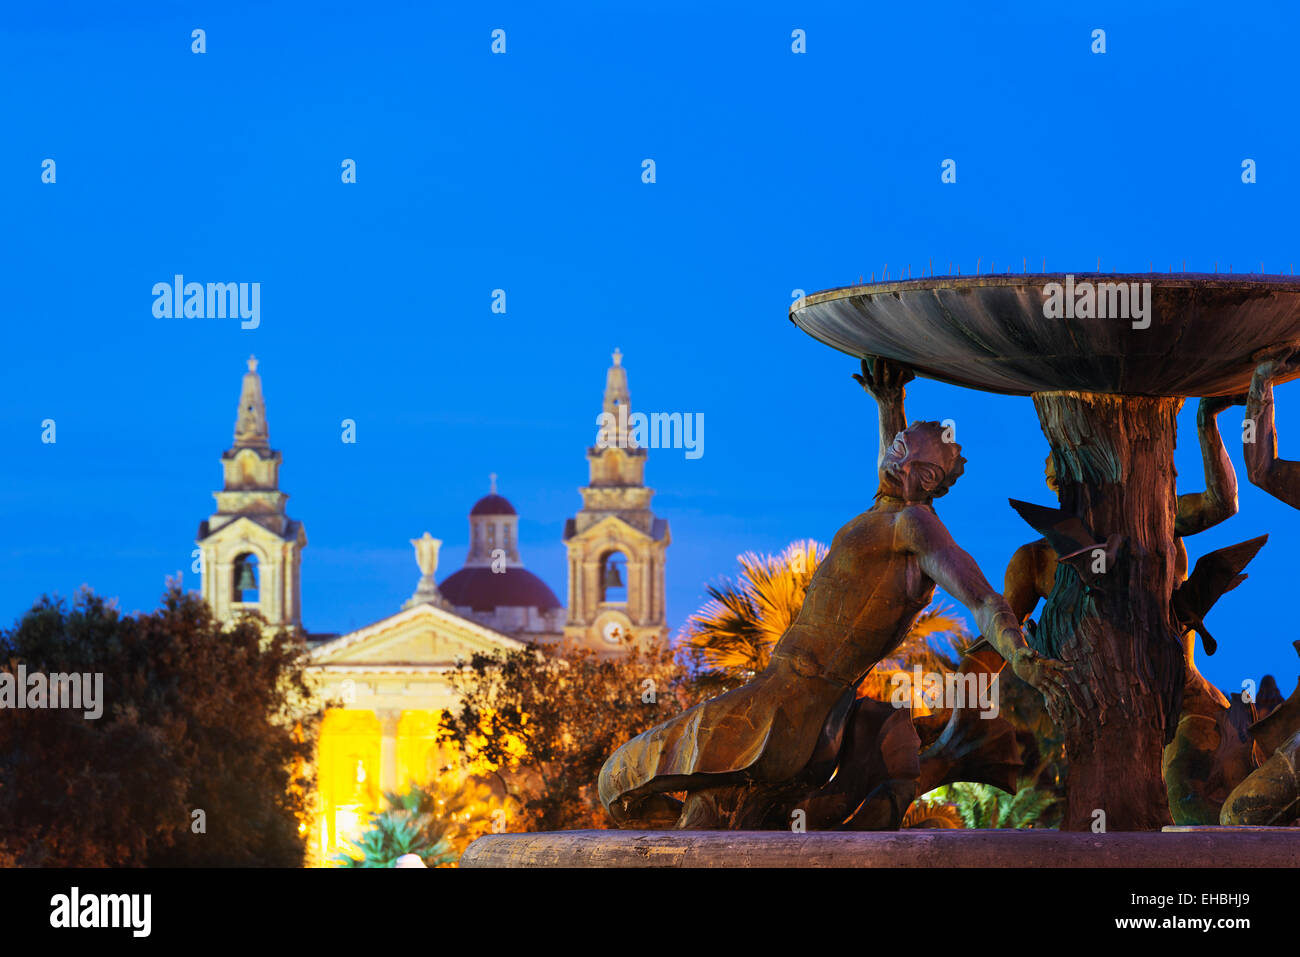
x: 615, y: 530
x: 244, y: 528
x: 423, y: 635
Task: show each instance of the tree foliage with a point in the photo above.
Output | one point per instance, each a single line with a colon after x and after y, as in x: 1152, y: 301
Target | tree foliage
x: 196, y: 718
x: 543, y: 720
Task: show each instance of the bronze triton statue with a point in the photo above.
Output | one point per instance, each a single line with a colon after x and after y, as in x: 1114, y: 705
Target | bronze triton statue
x: 1277, y: 477
x: 880, y: 572
x: 1271, y: 794
x: 1210, y: 751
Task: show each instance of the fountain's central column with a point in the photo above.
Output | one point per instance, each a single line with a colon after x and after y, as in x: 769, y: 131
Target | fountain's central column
x: 1114, y: 459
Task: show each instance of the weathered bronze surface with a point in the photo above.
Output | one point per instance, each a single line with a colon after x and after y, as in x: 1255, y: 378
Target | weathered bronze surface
x: 1216, y: 573
x: 868, y: 768
x: 760, y: 749
x: 1271, y: 794
x: 1278, y: 477
x: 990, y: 332
x: 1107, y: 387
x: 1211, y: 751
x: 1279, y: 722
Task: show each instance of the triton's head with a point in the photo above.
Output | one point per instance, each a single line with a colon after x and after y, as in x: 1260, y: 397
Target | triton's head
x: 920, y: 465
x: 1050, y: 473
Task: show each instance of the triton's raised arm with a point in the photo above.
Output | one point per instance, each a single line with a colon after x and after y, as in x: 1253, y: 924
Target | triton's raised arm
x: 1277, y: 477
x: 1198, y: 511
x: 885, y: 380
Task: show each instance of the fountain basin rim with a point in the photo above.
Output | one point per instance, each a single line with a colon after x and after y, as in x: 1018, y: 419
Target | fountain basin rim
x: 989, y: 332
x: 1176, y: 280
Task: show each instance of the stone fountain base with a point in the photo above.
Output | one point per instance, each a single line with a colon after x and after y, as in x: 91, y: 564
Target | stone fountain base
x: 1174, y: 847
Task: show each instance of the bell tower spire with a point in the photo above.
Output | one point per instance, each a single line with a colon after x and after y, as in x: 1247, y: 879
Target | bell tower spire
x: 250, y: 425
x: 617, y: 404
x: 616, y: 543
x: 625, y: 465
x: 251, y: 550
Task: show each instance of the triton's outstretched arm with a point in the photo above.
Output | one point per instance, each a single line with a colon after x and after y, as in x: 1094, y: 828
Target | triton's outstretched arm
x: 1277, y: 477
x: 945, y: 563
x: 1198, y: 511
x: 885, y: 380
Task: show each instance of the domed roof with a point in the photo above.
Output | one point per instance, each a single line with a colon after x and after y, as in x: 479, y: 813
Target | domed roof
x: 493, y: 505
x: 482, y: 589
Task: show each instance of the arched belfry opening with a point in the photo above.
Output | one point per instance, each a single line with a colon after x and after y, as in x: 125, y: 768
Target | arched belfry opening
x: 245, y: 579
x: 613, y: 578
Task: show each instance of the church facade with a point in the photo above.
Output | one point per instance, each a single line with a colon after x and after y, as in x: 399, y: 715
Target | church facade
x: 389, y: 680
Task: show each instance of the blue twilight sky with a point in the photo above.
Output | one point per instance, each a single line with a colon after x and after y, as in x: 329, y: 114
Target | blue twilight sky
x: 522, y: 171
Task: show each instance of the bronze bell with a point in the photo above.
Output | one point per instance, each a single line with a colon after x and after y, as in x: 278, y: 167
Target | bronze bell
x: 612, y: 578
x: 247, y: 580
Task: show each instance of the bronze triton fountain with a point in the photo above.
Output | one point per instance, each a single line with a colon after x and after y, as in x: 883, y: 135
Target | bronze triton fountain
x: 773, y: 746
x: 1271, y: 794
x: 1108, y: 360
x: 1211, y: 750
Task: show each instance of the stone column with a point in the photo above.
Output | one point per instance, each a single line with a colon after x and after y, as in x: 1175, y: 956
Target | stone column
x: 207, y: 577
x: 591, y: 589
x: 573, y: 588
x: 269, y: 590
x: 221, y: 592
x: 632, y: 569
x: 286, y: 583
x: 661, y: 556
x: 388, y: 721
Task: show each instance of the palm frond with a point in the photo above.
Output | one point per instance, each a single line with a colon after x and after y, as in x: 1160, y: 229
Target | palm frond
x: 742, y: 621
x: 393, y: 833
x: 984, y: 806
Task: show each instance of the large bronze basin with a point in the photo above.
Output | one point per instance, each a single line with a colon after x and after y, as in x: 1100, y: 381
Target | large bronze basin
x: 990, y: 332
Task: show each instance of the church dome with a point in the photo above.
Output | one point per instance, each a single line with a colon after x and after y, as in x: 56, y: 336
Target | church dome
x: 493, y: 505
x: 482, y: 589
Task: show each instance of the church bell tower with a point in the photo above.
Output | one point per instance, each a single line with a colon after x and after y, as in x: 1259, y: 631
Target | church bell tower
x: 616, y: 544
x: 251, y: 550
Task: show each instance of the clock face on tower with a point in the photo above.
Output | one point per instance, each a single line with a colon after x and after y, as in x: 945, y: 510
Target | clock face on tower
x: 614, y: 632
